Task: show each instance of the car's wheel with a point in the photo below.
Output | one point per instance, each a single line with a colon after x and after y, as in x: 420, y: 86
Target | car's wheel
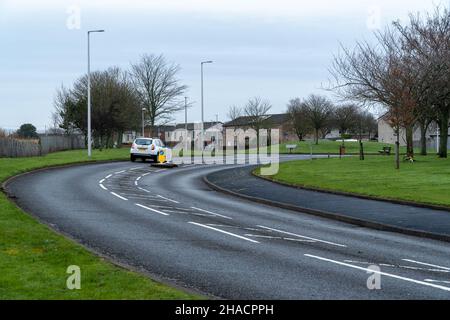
x: 132, y: 158
x: 143, y: 159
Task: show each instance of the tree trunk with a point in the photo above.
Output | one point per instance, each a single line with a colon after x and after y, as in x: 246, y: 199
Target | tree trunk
x: 361, y: 150
x: 317, y: 136
x: 410, y: 141
x: 397, y: 150
x: 119, y: 139
x: 423, y: 139
x: 443, y: 127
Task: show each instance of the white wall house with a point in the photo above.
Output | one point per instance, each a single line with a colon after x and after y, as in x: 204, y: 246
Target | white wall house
x: 386, y: 134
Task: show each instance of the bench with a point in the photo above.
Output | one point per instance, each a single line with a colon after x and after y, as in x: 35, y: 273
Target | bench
x: 291, y: 147
x: 386, y: 151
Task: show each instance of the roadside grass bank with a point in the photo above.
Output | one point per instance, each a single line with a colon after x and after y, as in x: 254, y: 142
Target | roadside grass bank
x: 34, y: 259
x: 427, y: 181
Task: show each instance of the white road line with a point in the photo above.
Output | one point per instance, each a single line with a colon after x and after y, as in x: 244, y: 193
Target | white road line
x: 160, y: 196
x: 103, y: 187
x: 224, y: 232
x: 299, y: 240
x: 153, y: 210
x: 427, y: 264
x: 423, y: 269
x: 138, y: 178
x: 437, y: 281
x: 101, y: 181
x: 276, y: 238
x: 119, y: 172
x: 161, y: 170
x: 263, y: 237
x: 135, y: 183
x: 108, y: 176
x: 234, y: 227
x: 398, y: 266
x: 145, y: 190
x: 427, y: 284
x: 118, y: 196
x: 304, y: 237
x: 213, y: 213
x: 146, y: 174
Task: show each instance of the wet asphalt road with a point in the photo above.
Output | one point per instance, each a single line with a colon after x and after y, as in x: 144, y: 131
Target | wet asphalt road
x: 171, y: 224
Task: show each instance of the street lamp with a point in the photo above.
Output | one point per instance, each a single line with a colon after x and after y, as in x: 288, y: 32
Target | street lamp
x: 89, y: 133
x: 203, y: 115
x: 143, y: 122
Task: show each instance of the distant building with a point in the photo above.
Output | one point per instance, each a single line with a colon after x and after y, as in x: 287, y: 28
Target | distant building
x: 386, y: 134
x: 159, y: 131
x: 274, y: 121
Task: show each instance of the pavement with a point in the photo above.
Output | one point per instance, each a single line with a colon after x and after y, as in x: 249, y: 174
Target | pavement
x: 171, y: 225
x: 384, y: 215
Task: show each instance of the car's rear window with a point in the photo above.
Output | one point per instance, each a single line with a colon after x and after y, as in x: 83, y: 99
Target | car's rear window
x: 143, y: 142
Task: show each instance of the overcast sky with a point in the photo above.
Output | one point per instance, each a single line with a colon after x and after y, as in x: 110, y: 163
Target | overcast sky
x: 276, y: 49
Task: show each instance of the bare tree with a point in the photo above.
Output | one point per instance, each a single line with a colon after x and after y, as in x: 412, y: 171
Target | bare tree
x: 3, y: 133
x: 158, y: 88
x: 346, y: 118
x: 320, y: 111
x: 427, y: 39
x: 383, y: 75
x: 234, y: 112
x: 256, y: 111
x: 298, y: 113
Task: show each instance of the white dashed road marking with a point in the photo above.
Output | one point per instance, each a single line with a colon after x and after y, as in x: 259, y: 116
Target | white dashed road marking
x: 118, y: 196
x: 153, y: 210
x: 304, y: 237
x: 213, y: 213
x: 224, y: 232
x: 427, y: 284
x: 427, y: 264
x: 173, y: 201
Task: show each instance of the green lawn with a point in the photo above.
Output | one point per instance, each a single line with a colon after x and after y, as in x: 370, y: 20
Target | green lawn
x: 34, y: 259
x: 425, y: 181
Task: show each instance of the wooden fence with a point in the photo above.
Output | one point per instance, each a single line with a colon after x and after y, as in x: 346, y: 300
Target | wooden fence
x: 14, y: 148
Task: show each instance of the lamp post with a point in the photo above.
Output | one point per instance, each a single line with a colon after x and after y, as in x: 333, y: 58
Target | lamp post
x: 203, y: 113
x: 89, y: 130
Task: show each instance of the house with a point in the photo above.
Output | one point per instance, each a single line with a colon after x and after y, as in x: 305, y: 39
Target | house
x: 213, y: 132
x: 159, y: 131
x: 274, y: 121
x: 386, y: 134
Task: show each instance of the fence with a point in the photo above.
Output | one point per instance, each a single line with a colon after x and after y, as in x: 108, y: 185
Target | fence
x: 13, y: 148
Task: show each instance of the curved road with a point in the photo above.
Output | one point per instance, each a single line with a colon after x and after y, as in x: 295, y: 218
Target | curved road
x: 169, y: 223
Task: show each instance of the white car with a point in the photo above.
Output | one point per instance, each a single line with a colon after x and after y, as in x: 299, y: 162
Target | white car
x: 146, y: 148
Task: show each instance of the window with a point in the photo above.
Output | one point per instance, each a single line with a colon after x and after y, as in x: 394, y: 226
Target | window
x: 143, y: 142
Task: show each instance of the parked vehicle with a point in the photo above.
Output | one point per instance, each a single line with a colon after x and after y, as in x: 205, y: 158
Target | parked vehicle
x: 147, y: 148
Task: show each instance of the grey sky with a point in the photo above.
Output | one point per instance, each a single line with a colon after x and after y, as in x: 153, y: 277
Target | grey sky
x: 274, y: 49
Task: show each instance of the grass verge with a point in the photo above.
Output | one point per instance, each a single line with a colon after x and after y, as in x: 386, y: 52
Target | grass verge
x: 34, y: 259
x: 426, y: 181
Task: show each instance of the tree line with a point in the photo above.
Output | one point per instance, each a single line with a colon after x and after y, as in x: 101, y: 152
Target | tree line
x: 407, y: 72
x: 319, y: 116
x: 118, y: 99
x: 316, y: 115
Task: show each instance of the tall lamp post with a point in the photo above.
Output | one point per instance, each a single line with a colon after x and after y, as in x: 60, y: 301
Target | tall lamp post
x: 89, y: 130
x: 203, y: 113
x: 143, y: 122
